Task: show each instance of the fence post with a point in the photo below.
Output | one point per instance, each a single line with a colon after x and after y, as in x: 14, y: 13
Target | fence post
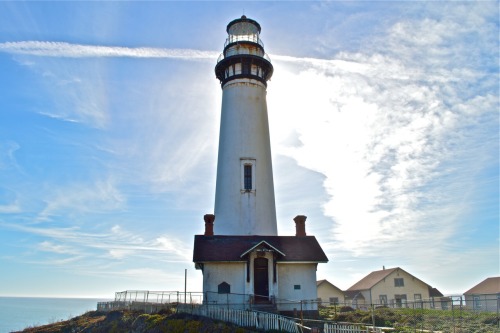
x: 498, y: 313
x: 373, y: 317
x: 461, y: 309
x: 301, y: 314
x: 453, y: 313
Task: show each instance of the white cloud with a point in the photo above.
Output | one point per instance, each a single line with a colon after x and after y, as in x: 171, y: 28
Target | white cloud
x: 100, y: 251
x: 14, y: 207
x: 49, y: 246
x: 7, y: 158
x: 77, y: 94
x: 82, y: 198
x: 174, y: 246
x: 392, y: 129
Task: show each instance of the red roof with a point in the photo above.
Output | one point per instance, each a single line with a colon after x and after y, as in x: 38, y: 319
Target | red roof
x: 375, y: 277
x: 372, y: 279
x: 320, y: 282
x: 234, y: 248
x: 489, y: 286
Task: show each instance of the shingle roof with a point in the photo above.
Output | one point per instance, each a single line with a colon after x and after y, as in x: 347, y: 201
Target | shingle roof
x: 232, y: 248
x: 372, y: 279
x: 320, y: 282
x: 489, y: 286
x: 375, y: 277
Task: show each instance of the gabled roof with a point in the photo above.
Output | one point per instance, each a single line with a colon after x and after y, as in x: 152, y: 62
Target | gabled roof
x: 326, y: 282
x: 489, y: 286
x: 221, y: 248
x: 375, y: 277
x: 372, y: 279
x: 262, y: 244
x: 319, y: 282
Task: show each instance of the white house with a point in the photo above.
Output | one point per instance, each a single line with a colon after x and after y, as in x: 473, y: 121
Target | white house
x: 329, y: 294
x: 246, y: 271
x: 393, y: 287
x: 484, y: 296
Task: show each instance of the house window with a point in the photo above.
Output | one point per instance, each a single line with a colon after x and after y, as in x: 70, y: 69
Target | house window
x: 334, y: 300
x: 399, y: 282
x: 247, y: 175
x: 477, y: 302
x: 296, y: 287
x: 418, y: 301
x: 224, y: 288
x: 383, y: 300
x: 400, y: 300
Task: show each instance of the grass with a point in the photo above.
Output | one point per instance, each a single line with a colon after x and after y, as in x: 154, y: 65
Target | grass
x: 403, y: 320
x: 412, y: 320
x: 136, y: 321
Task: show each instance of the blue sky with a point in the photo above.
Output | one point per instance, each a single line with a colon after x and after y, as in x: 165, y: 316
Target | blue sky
x: 384, y: 131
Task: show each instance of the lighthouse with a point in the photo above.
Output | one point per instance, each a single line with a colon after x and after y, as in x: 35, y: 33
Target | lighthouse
x: 244, y: 195
x: 245, y: 264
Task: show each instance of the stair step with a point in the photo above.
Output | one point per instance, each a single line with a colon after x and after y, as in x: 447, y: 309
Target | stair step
x: 265, y: 308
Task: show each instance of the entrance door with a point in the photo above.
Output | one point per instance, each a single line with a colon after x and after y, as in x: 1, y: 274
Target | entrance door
x: 261, y: 280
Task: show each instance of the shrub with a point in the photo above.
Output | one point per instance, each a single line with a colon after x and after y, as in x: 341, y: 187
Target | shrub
x: 346, y: 309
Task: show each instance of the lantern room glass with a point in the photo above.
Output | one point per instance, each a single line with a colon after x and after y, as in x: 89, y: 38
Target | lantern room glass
x: 243, y: 31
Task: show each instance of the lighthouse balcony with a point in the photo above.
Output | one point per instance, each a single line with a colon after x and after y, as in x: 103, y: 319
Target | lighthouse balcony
x: 244, y: 66
x: 244, y: 51
x: 253, y: 38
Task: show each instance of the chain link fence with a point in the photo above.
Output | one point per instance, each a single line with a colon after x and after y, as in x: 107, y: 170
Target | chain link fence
x: 450, y: 315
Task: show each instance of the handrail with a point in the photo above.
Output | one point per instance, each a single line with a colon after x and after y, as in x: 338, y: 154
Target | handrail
x: 265, y: 55
x: 246, y: 318
x: 243, y: 38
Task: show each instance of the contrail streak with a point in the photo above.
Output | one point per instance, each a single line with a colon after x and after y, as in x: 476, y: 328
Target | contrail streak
x: 67, y: 50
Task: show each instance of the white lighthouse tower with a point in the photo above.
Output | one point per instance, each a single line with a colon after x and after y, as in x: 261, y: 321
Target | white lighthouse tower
x: 244, y: 196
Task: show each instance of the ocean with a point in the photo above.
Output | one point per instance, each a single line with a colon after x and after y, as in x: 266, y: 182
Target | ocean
x: 17, y: 313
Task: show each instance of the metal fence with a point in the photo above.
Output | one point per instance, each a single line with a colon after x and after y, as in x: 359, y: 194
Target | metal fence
x: 453, y: 314
x: 161, y: 297
x: 150, y: 301
x: 457, y: 315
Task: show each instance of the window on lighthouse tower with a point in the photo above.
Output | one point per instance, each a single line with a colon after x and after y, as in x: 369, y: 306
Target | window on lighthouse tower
x: 247, y: 175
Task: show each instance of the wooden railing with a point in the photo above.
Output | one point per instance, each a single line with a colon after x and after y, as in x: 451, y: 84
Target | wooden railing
x: 230, y: 310
x: 259, y: 320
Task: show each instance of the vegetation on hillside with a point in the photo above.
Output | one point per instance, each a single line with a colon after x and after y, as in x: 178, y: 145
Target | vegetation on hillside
x: 411, y: 320
x: 404, y: 320
x: 137, y: 322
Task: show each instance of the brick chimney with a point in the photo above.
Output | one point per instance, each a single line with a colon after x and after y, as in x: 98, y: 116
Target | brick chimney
x: 300, y: 225
x: 209, y: 224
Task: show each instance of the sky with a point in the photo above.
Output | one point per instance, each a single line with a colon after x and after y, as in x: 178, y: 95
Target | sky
x: 384, y: 121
